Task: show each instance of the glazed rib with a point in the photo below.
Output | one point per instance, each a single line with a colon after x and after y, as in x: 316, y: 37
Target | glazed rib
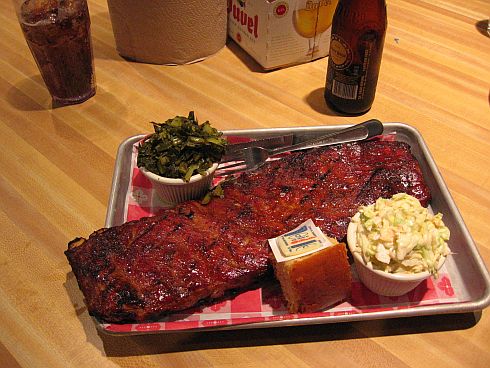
x: 143, y: 269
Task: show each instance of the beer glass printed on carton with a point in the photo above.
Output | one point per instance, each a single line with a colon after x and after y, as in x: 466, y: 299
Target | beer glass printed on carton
x: 311, y: 19
x: 58, y: 35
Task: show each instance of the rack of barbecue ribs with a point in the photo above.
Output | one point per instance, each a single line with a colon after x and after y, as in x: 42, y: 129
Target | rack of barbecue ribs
x: 144, y: 269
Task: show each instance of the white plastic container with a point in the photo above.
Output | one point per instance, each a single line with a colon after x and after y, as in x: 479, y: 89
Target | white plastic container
x: 174, y: 191
x: 381, y: 282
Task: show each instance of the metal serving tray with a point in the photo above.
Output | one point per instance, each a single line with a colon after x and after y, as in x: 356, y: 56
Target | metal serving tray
x: 466, y: 268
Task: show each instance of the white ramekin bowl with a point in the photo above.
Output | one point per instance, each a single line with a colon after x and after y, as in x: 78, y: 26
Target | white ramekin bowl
x: 173, y: 191
x: 380, y: 282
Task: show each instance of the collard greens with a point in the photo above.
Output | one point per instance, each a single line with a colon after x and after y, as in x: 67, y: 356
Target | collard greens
x: 181, y: 147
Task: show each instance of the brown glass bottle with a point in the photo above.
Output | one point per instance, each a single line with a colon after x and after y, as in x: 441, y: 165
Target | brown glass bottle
x: 358, y: 32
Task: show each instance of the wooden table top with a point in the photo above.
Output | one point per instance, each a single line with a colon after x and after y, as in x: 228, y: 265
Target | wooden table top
x: 57, y: 167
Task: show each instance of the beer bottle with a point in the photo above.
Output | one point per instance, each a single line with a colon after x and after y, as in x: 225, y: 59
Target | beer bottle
x: 358, y: 32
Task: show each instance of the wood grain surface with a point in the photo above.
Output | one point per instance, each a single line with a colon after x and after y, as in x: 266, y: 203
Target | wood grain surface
x: 57, y: 163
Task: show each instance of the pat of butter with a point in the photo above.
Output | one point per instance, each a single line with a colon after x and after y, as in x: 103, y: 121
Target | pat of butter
x: 305, y: 239
x: 298, y: 241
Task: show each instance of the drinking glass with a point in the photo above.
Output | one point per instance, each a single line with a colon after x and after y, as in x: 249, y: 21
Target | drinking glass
x: 58, y: 35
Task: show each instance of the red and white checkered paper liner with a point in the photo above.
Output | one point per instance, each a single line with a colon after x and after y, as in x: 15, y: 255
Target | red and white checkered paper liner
x: 266, y: 302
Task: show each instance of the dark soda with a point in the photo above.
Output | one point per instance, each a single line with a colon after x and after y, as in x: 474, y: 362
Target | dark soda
x: 58, y: 35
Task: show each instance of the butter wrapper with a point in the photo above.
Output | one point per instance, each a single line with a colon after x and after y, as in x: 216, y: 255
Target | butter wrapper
x: 305, y: 239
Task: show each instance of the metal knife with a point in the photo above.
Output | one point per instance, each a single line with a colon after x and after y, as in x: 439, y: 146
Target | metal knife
x: 269, y: 142
x: 354, y: 133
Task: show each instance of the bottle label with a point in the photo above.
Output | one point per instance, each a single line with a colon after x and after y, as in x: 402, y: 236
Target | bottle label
x: 340, y: 52
x: 349, y: 71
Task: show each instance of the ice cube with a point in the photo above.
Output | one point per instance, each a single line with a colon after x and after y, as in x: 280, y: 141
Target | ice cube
x: 69, y: 8
x: 34, y: 11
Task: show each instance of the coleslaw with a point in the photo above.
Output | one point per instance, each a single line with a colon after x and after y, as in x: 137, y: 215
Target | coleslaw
x: 398, y: 235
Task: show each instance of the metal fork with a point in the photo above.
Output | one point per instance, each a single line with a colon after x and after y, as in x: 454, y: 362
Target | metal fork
x: 251, y: 158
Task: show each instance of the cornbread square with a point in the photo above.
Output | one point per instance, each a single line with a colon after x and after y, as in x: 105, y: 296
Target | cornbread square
x: 315, y: 281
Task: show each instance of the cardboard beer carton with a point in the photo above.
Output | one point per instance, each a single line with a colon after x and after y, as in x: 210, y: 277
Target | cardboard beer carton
x: 278, y: 33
